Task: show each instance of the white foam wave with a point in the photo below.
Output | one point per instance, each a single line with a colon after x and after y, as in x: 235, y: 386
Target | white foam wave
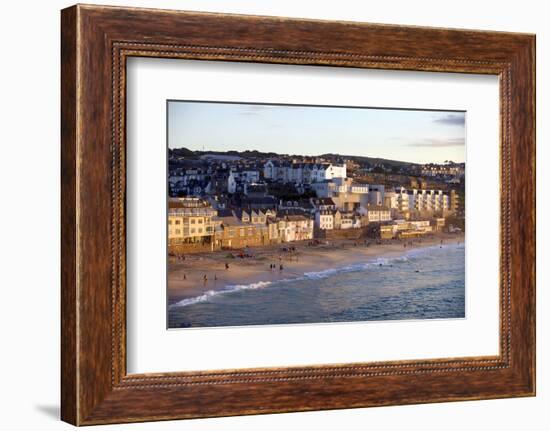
x: 227, y: 289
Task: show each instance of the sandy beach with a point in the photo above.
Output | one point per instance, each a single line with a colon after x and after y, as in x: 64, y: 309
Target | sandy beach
x: 186, y: 277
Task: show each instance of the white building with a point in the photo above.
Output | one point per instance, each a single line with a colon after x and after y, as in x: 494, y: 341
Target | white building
x: 376, y: 194
x: 346, y: 222
x: 241, y: 177
x: 428, y: 200
x: 295, y: 228
x: 402, y: 200
x: 422, y: 200
x: 378, y: 213
x: 324, y: 219
x: 345, y: 193
x: 390, y: 199
x: 303, y: 173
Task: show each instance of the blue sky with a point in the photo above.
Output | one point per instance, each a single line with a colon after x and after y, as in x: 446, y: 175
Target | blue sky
x: 407, y: 135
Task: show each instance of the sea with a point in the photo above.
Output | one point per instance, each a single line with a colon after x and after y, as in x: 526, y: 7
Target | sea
x: 422, y: 283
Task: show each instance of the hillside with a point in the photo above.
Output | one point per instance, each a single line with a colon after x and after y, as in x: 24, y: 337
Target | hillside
x: 362, y: 160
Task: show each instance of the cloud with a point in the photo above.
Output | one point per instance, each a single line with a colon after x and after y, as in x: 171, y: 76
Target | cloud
x: 451, y: 120
x: 251, y: 113
x: 252, y: 109
x: 438, y: 143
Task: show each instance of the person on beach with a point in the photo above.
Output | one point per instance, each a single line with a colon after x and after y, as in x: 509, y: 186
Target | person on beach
x: 205, y: 278
x: 281, y: 267
x: 226, y: 265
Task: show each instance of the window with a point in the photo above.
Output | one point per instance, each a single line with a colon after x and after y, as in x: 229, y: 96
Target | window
x: 178, y: 231
x: 192, y: 230
x: 192, y: 221
x: 178, y: 221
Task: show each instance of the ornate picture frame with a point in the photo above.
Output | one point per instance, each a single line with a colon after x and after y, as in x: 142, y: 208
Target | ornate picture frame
x: 96, y: 41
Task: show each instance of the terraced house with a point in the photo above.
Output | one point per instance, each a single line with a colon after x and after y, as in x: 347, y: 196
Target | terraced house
x: 295, y: 228
x: 190, y: 221
x: 239, y: 229
x: 303, y: 172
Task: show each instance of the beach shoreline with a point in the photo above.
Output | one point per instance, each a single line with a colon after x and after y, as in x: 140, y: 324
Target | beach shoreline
x: 186, y: 278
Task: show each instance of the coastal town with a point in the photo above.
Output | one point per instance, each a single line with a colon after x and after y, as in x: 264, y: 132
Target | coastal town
x: 286, y: 214
x: 236, y: 201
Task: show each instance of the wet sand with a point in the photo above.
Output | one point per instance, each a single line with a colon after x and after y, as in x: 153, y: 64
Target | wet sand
x: 186, y: 277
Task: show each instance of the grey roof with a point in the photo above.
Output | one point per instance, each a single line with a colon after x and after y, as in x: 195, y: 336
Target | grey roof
x: 323, y: 201
x: 377, y: 208
x: 260, y: 200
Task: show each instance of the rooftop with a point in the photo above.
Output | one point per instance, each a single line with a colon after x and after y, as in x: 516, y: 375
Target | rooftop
x: 377, y: 208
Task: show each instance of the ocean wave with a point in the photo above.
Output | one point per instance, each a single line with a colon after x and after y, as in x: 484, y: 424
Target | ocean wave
x: 212, y: 293
x: 408, y: 256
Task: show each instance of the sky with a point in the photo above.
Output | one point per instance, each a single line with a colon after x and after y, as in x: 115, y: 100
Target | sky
x: 418, y: 136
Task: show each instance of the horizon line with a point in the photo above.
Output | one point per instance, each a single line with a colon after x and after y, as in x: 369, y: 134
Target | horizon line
x: 314, y: 155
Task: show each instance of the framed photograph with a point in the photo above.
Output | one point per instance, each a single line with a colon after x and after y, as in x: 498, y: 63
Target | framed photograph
x: 263, y: 214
